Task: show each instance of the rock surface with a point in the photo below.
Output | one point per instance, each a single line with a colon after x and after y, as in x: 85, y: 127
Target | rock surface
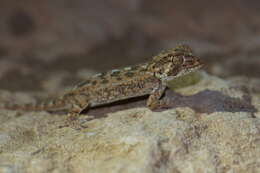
x: 220, y: 136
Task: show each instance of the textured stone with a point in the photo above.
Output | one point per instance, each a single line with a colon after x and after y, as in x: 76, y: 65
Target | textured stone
x: 180, y: 139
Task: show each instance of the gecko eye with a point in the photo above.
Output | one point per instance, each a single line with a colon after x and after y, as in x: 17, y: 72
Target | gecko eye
x: 191, y: 61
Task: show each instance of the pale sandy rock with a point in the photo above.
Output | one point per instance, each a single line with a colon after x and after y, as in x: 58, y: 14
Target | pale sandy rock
x: 179, y: 140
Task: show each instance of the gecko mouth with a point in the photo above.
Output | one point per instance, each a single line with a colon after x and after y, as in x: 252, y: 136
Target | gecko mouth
x: 186, y: 70
x: 183, y: 73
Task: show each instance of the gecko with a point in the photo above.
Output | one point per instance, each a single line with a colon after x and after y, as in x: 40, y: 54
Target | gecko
x: 148, y: 78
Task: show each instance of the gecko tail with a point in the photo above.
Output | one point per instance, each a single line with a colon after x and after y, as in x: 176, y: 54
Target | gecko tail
x: 42, y: 106
x: 25, y: 107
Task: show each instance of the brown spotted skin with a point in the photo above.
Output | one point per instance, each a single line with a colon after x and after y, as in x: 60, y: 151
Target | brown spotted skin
x: 144, y: 79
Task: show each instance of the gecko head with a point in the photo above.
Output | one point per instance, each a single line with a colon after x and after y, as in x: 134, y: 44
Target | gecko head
x: 174, y: 62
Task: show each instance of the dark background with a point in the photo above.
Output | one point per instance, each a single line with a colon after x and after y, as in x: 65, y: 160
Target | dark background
x: 51, y: 44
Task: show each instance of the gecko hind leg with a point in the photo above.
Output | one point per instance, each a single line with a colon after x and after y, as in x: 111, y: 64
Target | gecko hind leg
x: 77, y: 109
x: 73, y: 116
x: 77, y: 105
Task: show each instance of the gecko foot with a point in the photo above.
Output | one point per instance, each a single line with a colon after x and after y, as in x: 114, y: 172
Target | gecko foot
x: 152, y: 103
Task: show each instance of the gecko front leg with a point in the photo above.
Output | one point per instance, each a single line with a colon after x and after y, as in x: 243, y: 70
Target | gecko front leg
x: 154, y: 99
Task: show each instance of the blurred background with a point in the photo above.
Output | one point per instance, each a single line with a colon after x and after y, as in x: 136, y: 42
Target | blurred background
x: 52, y: 44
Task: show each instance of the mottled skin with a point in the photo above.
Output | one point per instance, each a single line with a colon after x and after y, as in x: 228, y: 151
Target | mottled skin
x: 144, y: 79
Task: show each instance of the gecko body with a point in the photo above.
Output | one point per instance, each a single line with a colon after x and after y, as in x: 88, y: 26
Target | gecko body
x: 144, y: 79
